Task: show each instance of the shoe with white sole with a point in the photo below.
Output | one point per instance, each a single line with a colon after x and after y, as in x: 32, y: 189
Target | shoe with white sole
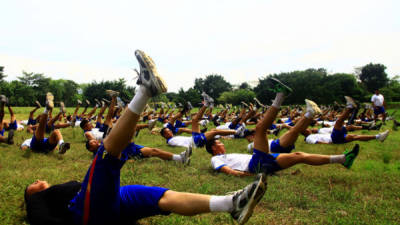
x: 149, y: 76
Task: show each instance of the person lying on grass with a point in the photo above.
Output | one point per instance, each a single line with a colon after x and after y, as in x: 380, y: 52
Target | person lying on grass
x: 264, y: 161
x: 100, y: 199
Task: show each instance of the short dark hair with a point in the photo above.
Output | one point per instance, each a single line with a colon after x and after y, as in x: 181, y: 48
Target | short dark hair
x: 162, y: 131
x: 88, y: 144
x: 209, y: 145
x: 249, y: 132
x: 26, y: 196
x: 83, y: 123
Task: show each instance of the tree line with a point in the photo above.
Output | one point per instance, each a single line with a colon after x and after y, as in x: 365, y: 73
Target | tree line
x: 315, y: 84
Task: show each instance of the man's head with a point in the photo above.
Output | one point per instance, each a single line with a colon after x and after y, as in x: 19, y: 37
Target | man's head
x: 215, y: 147
x: 377, y: 91
x: 92, y: 145
x: 306, y: 132
x: 166, y: 133
x: 85, y: 125
x: 35, y: 187
x: 249, y: 135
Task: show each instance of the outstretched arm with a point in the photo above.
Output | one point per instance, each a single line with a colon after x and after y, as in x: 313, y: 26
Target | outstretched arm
x: 230, y: 171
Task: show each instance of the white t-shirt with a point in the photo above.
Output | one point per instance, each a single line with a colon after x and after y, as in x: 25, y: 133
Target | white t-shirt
x: 325, y: 130
x: 26, y: 143
x: 234, y: 161
x: 98, y: 135
x: 224, y: 126
x: 181, y: 141
x: 314, y: 138
x: 377, y: 99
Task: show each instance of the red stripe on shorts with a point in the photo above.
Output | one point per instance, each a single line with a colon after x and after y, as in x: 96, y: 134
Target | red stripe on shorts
x: 86, y: 209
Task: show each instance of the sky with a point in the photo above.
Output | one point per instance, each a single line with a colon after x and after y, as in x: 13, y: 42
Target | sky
x: 90, y: 40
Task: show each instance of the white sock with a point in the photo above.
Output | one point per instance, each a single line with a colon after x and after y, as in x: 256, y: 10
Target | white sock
x: 278, y: 100
x: 308, y: 115
x: 337, y: 159
x: 60, y: 142
x: 221, y: 203
x: 45, y: 110
x: 139, y: 101
x: 176, y: 157
x: 377, y: 136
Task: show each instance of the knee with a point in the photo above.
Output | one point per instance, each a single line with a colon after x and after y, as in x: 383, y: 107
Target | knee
x: 299, y: 155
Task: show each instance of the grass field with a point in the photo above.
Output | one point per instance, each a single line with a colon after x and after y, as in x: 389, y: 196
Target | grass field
x: 368, y: 193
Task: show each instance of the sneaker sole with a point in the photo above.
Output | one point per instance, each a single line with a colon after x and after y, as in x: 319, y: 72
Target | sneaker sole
x: 259, y: 191
x: 38, y: 104
x: 314, y: 106
x: 351, y: 101
x: 356, y: 150
x: 158, y: 83
x: 188, y: 153
x: 50, y: 100
x: 284, y: 85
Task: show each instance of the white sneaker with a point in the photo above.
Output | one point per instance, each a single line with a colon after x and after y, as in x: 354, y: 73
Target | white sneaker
x: 49, y: 101
x: 312, y: 107
x: 208, y: 101
x: 62, y: 108
x: 185, y: 155
x: 152, y: 123
x: 246, y: 199
x: 149, y: 76
x: 350, y: 103
x: 382, y: 136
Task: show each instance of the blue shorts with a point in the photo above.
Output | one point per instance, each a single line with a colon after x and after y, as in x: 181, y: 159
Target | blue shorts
x: 339, y: 136
x: 179, y: 123
x: 13, y: 125
x: 379, y: 110
x: 272, y: 127
x: 2, y: 132
x: 102, y: 201
x: 102, y: 127
x: 99, y: 199
x: 138, y: 201
x: 134, y: 151
x: 31, y: 122
x: 233, y: 126
x: 263, y: 162
x: 172, y: 128
x: 289, y: 122
x: 277, y: 148
x: 42, y: 145
x: 199, y: 139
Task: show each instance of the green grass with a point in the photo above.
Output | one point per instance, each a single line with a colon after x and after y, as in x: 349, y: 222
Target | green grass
x: 369, y: 193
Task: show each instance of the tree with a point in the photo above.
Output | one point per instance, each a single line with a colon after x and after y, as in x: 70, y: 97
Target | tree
x: 373, y: 76
x: 237, y: 96
x: 214, y: 85
x: 244, y: 85
x: 2, y: 75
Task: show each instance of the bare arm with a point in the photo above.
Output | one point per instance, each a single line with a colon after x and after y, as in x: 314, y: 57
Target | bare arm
x: 230, y: 171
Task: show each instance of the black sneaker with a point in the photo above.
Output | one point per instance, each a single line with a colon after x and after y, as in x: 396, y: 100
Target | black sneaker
x: 149, y: 76
x: 63, y: 147
x: 246, y: 199
x: 10, y: 138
